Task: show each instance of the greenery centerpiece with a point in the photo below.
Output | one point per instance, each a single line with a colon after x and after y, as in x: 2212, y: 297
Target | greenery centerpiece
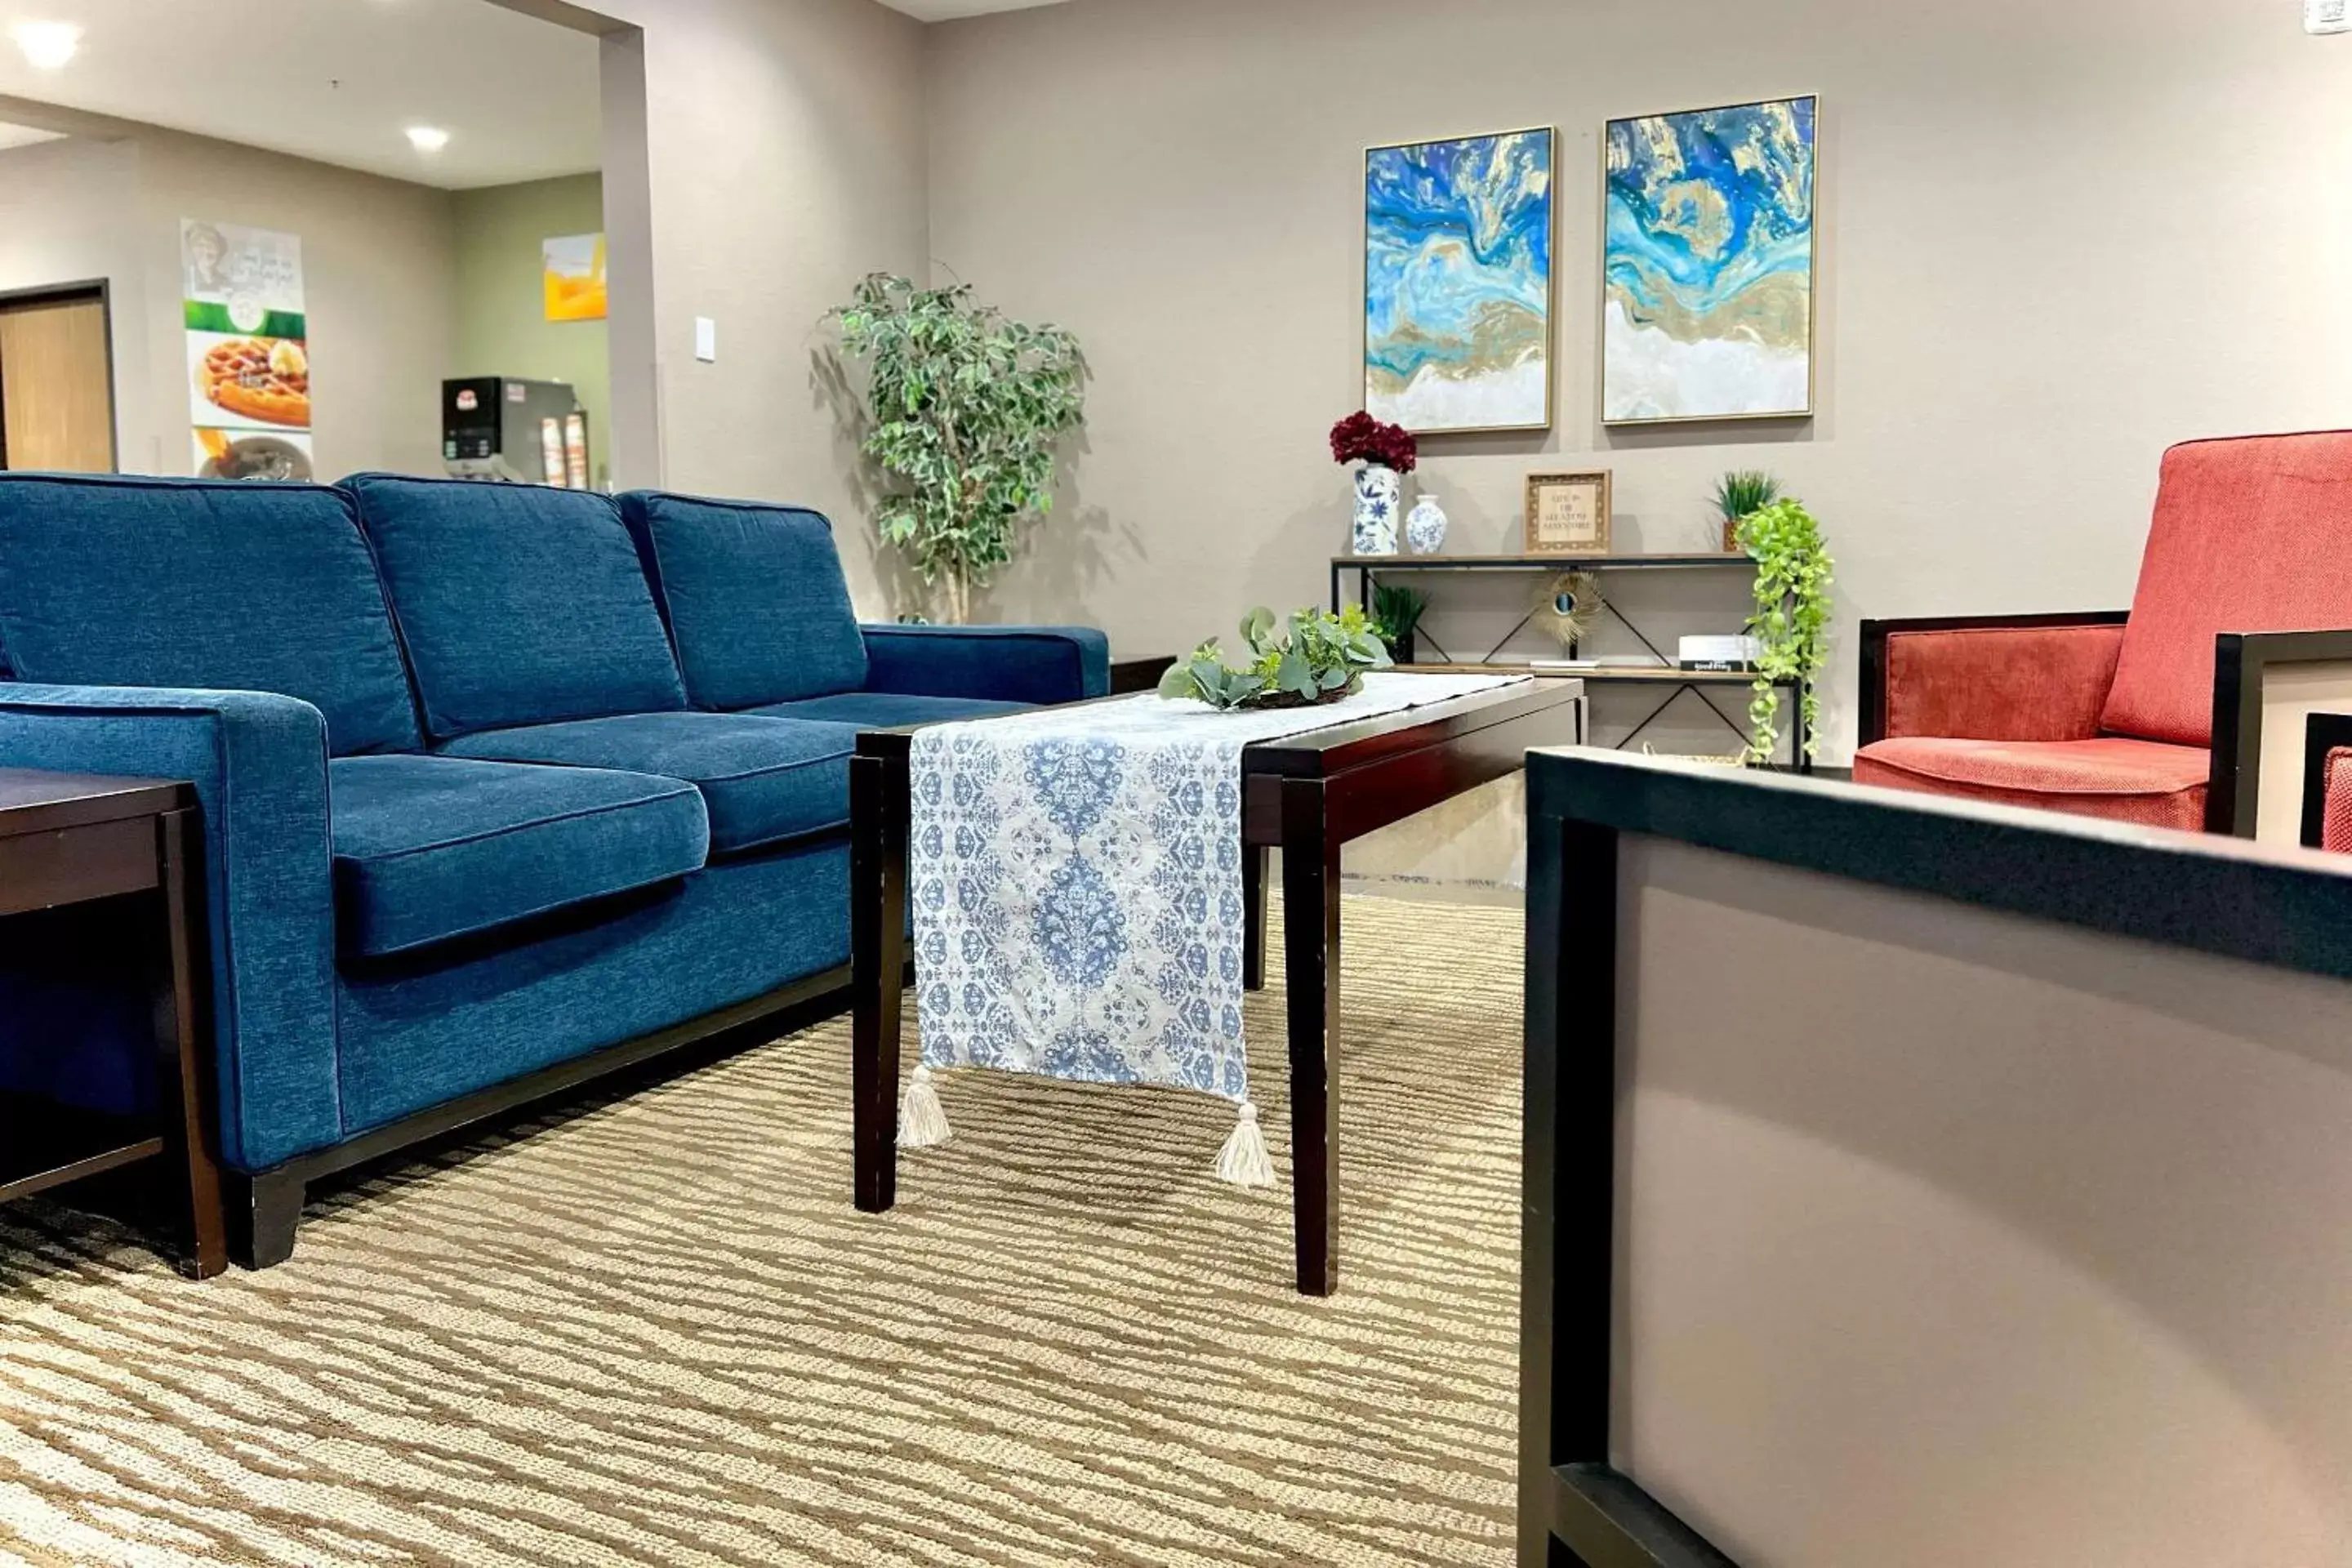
x: 969, y: 408
x: 1316, y: 658
x: 1791, y: 622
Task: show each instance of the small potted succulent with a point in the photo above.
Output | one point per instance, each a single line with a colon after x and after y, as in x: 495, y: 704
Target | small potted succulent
x: 1736, y: 495
x: 1317, y: 657
x: 1388, y: 453
x: 1396, y: 617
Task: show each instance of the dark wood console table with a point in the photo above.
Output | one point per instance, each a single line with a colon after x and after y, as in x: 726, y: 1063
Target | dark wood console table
x: 1666, y: 681
x: 1306, y: 796
x: 74, y: 839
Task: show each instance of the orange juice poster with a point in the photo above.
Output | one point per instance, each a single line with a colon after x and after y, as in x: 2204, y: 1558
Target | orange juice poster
x: 572, y: 277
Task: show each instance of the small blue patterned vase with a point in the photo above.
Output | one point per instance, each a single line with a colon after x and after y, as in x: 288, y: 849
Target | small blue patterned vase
x: 1424, y: 527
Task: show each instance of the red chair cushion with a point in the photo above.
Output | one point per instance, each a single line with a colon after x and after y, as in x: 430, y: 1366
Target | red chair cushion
x: 2001, y: 683
x: 2122, y: 780
x: 2336, y: 807
x: 2250, y: 535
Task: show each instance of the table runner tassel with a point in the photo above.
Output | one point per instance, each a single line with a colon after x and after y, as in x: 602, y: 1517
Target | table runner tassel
x: 922, y: 1121
x: 1243, y: 1161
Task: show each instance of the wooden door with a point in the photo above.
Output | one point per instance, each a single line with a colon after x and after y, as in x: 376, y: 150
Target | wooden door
x: 56, y: 395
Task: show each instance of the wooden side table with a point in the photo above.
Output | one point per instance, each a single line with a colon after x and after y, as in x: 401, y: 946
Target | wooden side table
x: 73, y: 838
x: 1132, y: 675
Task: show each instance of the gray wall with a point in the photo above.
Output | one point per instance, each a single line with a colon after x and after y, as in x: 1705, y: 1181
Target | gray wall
x: 377, y: 276
x: 502, y: 327
x: 2055, y: 238
x: 379, y: 289
x: 781, y: 156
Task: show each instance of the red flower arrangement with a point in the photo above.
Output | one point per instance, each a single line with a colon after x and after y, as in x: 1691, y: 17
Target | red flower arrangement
x: 1361, y: 438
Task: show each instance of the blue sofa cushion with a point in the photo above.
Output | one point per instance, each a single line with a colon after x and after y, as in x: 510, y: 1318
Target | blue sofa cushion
x: 428, y: 849
x: 1004, y: 664
x: 412, y: 1036
x: 887, y: 710
x: 518, y: 605
x: 761, y: 778
x: 202, y: 585
x: 758, y: 607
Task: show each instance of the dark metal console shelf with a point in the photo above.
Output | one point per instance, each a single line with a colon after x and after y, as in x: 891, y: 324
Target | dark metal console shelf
x: 1695, y: 681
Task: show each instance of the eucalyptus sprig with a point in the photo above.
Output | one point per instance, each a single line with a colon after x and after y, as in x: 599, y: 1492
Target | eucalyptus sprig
x: 1318, y: 657
x: 1791, y: 619
x: 969, y: 408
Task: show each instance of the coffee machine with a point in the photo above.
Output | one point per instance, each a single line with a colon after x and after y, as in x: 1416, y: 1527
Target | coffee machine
x: 513, y: 431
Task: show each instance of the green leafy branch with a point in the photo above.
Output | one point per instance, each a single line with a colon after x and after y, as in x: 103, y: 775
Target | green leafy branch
x: 1791, y: 620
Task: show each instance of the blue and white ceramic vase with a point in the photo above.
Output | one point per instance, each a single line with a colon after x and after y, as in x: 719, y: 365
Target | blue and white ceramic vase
x: 1424, y: 528
x: 1379, y: 495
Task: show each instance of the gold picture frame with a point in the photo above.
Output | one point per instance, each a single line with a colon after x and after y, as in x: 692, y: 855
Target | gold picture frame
x: 1567, y: 513
x: 1812, y: 284
x: 1551, y: 334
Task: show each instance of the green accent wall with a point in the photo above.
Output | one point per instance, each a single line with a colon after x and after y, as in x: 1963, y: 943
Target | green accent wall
x: 502, y: 326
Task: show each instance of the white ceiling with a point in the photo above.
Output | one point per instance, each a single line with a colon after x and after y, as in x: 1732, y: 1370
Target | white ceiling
x: 22, y: 135
x: 337, y: 80
x: 948, y: 10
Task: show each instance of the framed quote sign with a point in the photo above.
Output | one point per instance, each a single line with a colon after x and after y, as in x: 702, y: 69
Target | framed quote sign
x: 1568, y: 514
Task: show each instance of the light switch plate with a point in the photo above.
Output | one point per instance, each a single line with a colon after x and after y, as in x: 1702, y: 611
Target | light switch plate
x: 706, y: 339
x: 2328, y: 15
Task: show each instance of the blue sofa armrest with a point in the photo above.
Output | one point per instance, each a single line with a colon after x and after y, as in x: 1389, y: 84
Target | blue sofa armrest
x: 1005, y: 664
x: 259, y: 766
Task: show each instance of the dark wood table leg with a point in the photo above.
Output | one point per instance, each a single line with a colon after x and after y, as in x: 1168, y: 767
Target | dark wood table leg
x: 182, y: 1023
x: 1310, y: 947
x: 1253, y: 859
x: 877, y: 919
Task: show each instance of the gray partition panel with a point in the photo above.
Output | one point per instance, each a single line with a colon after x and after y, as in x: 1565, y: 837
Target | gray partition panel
x: 1903, y: 1192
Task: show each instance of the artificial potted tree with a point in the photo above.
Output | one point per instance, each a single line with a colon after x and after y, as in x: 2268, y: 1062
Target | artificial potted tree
x: 970, y: 409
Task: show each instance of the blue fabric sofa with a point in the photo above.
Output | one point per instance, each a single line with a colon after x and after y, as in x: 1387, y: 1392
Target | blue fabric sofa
x: 501, y: 786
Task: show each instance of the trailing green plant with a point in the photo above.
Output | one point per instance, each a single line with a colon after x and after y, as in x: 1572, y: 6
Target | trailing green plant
x: 1317, y: 657
x: 1397, y: 610
x: 969, y: 408
x: 1740, y: 492
x: 1791, y: 622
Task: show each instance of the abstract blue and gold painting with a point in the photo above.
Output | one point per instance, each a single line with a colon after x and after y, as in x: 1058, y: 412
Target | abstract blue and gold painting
x: 1707, y: 264
x: 1457, y: 283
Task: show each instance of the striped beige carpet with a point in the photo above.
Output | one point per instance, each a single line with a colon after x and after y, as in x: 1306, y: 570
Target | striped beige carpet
x: 654, y: 1331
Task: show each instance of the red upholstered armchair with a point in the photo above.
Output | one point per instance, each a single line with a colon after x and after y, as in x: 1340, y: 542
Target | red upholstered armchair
x: 2187, y: 712
x: 2328, y: 783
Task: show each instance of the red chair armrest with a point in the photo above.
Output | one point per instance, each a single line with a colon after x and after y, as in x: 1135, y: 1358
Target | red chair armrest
x: 1988, y: 680
x: 2336, y: 802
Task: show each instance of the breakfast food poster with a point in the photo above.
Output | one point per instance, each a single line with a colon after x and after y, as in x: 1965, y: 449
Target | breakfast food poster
x: 249, y: 351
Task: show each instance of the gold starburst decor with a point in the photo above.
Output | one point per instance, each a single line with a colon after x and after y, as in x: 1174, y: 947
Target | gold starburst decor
x: 1568, y: 606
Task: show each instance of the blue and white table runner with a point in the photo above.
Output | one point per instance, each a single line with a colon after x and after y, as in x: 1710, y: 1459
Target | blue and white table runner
x: 1076, y: 881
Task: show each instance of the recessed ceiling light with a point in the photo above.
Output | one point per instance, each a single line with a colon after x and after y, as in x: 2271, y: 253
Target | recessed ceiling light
x: 427, y: 138
x: 48, y: 44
